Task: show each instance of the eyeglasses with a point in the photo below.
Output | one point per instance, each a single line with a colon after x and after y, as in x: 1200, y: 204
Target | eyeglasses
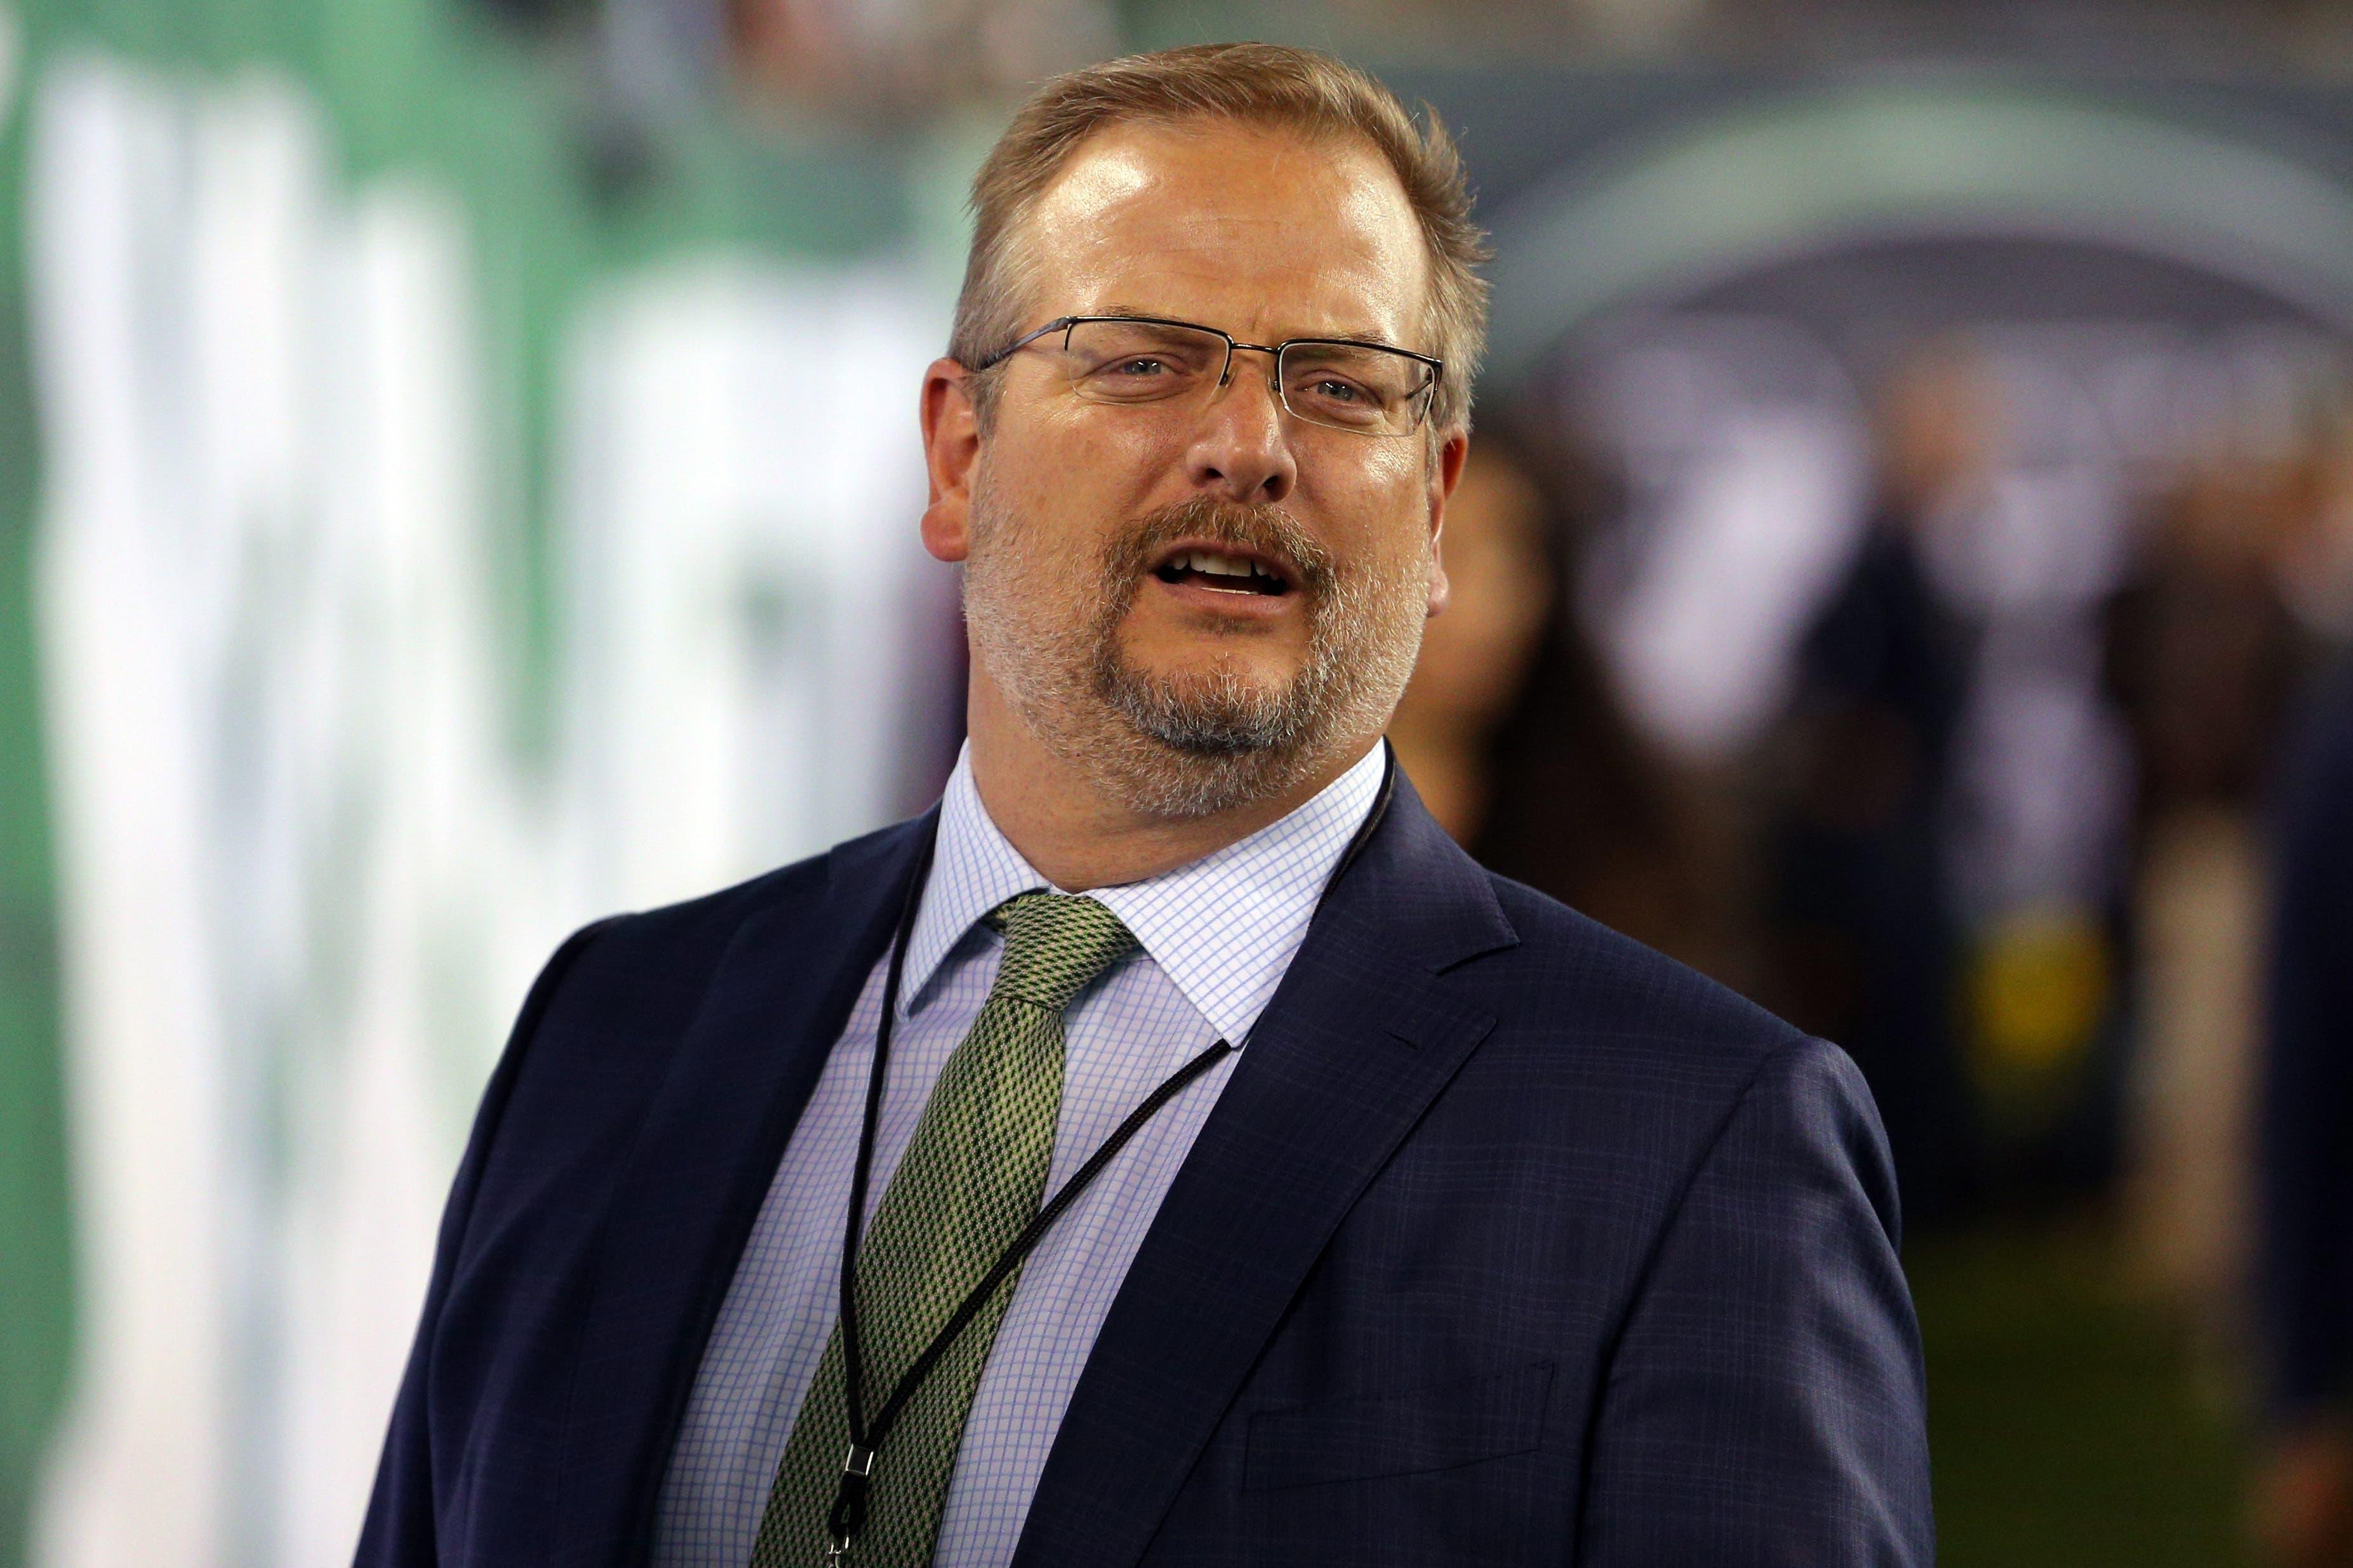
x: 1367, y: 389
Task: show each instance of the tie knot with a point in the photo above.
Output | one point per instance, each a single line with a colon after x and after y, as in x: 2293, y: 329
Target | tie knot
x: 1054, y: 944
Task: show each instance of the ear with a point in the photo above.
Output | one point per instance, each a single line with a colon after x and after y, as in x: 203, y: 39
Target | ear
x: 1445, y: 473
x: 951, y: 450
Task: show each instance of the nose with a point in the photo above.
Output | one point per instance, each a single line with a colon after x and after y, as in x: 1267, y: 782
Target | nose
x: 1241, y: 451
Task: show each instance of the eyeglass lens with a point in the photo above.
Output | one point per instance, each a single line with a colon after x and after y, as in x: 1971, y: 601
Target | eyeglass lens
x: 1347, y: 386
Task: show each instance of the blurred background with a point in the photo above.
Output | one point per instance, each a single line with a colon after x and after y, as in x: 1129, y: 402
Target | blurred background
x: 457, y: 477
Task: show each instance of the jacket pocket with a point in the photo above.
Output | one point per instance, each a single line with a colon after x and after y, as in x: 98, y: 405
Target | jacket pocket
x: 1399, y: 1434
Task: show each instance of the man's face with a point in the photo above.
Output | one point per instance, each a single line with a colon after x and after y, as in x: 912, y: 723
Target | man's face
x: 1185, y: 689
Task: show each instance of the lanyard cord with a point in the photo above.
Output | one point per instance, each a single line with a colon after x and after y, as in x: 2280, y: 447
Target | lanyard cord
x: 848, y: 1512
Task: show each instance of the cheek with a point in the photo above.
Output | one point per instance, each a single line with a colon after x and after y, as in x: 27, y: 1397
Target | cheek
x: 1376, y: 507
x: 1397, y: 549
x: 1005, y: 488
x: 1075, y: 472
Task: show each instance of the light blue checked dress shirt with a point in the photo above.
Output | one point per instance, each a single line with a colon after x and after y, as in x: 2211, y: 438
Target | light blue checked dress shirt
x: 1216, y: 938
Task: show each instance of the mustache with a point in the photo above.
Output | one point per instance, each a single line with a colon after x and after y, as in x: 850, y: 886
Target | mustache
x: 1265, y: 529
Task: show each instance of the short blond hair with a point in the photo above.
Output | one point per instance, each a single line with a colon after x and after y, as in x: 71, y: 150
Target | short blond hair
x: 1256, y: 84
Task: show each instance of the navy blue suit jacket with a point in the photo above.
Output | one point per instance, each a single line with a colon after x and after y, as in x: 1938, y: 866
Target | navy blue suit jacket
x: 1509, y: 1242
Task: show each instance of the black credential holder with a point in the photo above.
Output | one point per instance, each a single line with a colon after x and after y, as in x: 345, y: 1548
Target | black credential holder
x: 847, y: 1517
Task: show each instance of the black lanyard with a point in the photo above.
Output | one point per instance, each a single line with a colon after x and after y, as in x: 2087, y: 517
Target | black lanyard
x: 849, y: 1514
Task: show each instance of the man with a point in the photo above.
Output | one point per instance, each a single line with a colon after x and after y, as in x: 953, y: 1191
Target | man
x: 1436, y: 1224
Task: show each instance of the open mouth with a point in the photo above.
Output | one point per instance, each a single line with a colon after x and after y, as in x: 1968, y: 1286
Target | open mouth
x: 1223, y: 571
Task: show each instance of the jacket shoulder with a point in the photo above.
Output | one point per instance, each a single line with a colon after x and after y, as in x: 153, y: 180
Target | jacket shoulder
x: 1676, y: 1057
x: 662, y: 959
x: 647, y: 971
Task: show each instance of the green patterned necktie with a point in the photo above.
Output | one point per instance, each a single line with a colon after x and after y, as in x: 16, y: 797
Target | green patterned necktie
x: 972, y: 1177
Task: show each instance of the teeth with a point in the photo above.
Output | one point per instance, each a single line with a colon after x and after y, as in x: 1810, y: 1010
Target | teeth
x: 1216, y: 566
x: 1212, y: 564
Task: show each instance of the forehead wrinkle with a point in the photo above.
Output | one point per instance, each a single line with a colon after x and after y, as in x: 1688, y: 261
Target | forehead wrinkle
x: 1324, y: 306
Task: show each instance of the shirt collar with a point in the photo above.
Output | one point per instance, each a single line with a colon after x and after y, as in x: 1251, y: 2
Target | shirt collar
x: 1223, y: 929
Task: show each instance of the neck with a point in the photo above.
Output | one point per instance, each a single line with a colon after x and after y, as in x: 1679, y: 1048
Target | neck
x: 1078, y: 835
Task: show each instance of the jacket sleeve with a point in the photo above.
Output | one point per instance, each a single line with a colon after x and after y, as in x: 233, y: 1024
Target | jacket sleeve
x: 399, y: 1531
x: 1766, y: 1403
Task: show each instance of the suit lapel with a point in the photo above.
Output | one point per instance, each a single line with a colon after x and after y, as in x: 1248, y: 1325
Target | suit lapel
x: 695, y: 1179
x: 1361, y: 1038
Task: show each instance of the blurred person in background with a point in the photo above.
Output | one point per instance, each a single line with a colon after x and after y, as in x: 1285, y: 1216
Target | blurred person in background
x: 2204, y: 654
x: 1862, y: 945
x: 1474, y: 661
x: 2304, y: 1503
x: 1511, y: 730
x: 1486, y: 1234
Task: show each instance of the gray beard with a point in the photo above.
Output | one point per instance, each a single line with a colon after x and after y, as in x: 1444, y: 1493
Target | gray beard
x: 1188, y: 745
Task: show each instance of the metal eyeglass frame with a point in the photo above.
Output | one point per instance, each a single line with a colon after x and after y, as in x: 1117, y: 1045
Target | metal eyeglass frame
x: 1428, y: 393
